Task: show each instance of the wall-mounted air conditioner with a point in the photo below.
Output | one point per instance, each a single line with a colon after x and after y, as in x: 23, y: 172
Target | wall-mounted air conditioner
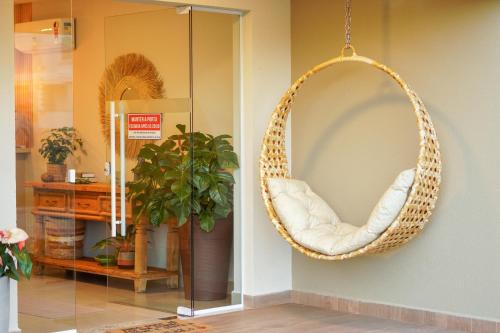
x: 55, y: 35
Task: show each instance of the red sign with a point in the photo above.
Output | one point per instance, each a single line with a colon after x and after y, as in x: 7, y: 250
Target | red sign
x: 144, y: 126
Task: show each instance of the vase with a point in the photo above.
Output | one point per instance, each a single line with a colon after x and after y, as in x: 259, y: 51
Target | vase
x: 57, y: 172
x: 126, y: 259
x: 4, y: 304
x: 212, y: 251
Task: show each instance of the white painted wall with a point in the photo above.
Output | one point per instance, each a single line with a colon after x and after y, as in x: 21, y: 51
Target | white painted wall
x: 7, y: 117
x: 7, y: 136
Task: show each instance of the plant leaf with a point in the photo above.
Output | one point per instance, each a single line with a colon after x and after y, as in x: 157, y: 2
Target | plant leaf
x: 228, y: 160
x: 218, y: 193
x: 181, y: 127
x: 225, y: 177
x: 201, y: 182
x: 207, y: 221
x: 221, y: 211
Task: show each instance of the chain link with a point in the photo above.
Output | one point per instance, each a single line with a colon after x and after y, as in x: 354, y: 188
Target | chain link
x: 347, y: 23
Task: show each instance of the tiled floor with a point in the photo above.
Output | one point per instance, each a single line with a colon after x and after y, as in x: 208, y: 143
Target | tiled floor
x: 294, y: 318
x: 49, y: 304
x: 56, y: 302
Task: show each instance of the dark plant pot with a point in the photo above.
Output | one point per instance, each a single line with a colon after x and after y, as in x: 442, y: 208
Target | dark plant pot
x: 212, y: 252
x: 56, y: 172
x: 125, y: 259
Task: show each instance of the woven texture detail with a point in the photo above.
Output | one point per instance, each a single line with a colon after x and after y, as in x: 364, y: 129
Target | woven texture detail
x: 423, y: 194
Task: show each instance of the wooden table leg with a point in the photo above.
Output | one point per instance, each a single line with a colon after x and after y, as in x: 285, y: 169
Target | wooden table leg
x: 39, y: 244
x: 173, y: 253
x: 141, y: 254
x: 140, y: 285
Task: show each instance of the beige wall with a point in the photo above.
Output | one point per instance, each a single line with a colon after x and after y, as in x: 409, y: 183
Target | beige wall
x: 354, y: 131
x: 7, y: 118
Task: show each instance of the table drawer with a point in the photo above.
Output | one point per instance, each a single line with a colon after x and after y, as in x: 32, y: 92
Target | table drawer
x: 51, y: 201
x: 105, y: 206
x: 86, y: 204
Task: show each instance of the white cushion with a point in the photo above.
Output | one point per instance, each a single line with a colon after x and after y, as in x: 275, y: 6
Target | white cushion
x: 298, y: 207
x: 311, y: 222
x: 390, y: 204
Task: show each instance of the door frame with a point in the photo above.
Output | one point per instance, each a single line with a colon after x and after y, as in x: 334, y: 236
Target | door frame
x: 239, y: 128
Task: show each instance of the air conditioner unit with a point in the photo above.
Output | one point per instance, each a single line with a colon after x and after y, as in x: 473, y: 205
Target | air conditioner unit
x: 55, y: 35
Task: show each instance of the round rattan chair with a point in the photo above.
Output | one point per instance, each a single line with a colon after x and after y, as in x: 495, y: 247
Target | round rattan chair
x: 423, y: 193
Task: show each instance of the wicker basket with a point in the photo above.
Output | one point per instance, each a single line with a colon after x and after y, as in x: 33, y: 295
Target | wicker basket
x: 64, y: 238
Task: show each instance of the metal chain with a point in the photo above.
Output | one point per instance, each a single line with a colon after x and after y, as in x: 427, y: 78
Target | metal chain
x: 347, y: 24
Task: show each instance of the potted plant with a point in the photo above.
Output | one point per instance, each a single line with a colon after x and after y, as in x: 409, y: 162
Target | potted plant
x: 14, y: 259
x: 124, y: 248
x: 189, y: 175
x: 55, y: 148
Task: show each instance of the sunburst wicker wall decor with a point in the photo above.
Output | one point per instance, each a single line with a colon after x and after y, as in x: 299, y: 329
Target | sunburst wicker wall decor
x: 132, y: 72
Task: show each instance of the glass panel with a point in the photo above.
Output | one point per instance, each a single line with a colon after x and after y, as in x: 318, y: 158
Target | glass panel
x: 149, y: 87
x: 45, y: 200
x: 217, y: 253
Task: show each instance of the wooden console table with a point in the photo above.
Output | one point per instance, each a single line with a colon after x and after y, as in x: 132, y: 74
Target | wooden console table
x: 92, y: 202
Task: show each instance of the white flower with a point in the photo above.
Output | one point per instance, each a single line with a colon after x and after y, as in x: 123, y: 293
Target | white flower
x: 14, y: 236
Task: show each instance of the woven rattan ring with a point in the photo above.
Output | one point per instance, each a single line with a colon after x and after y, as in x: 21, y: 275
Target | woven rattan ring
x: 423, y: 194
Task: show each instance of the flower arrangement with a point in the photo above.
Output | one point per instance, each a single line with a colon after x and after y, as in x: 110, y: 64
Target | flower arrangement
x: 14, y: 256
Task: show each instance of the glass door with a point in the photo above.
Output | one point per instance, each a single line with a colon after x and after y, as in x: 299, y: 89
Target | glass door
x: 108, y: 250
x: 146, y: 93
x: 47, y: 150
x: 216, y: 228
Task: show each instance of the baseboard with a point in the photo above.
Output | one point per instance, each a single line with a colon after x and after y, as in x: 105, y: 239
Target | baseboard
x: 259, y: 301
x: 397, y: 313
x: 384, y: 311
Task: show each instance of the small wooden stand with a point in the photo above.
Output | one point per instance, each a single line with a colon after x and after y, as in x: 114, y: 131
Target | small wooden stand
x: 93, y: 203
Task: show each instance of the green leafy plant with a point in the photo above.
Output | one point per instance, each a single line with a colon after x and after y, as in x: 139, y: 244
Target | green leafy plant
x: 187, y: 173
x: 119, y: 243
x: 59, y: 144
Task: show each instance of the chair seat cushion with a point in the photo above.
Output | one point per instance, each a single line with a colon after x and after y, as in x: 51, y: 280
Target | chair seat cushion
x: 311, y: 222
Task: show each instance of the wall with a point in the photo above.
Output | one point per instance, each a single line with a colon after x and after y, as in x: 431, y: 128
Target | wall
x: 357, y: 132
x: 7, y: 119
x: 7, y: 137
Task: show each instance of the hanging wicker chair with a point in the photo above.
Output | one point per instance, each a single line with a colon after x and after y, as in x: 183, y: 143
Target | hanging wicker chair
x: 423, y: 193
